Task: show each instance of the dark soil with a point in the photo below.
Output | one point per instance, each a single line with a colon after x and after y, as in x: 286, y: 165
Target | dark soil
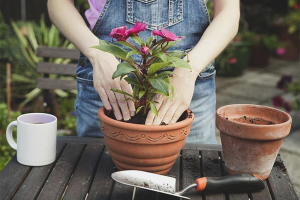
x: 141, y: 119
x: 280, y: 166
x: 249, y: 120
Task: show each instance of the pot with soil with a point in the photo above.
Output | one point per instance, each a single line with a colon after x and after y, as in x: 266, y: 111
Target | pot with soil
x: 146, y: 68
x: 152, y: 148
x: 251, y: 137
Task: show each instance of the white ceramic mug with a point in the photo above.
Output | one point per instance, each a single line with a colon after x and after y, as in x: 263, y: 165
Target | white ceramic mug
x: 36, y: 138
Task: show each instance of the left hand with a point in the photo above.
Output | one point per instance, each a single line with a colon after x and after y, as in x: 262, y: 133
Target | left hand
x: 169, y: 111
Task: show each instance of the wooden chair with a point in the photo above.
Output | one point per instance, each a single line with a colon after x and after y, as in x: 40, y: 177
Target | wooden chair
x: 48, y: 68
x: 66, y: 79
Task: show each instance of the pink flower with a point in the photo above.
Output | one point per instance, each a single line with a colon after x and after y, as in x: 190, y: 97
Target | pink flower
x: 280, y: 51
x: 145, y: 50
x: 168, y: 35
x: 278, y: 101
x: 119, y: 33
x: 138, y: 27
x: 232, y: 60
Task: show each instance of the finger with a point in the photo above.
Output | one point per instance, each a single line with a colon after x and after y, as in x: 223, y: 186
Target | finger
x: 123, y: 105
x: 161, y: 112
x: 178, y: 113
x: 170, y: 113
x: 127, y: 88
x: 114, y: 104
x: 151, y: 115
x: 103, y: 97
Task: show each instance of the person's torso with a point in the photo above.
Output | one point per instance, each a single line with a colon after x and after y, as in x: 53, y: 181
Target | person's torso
x: 188, y: 18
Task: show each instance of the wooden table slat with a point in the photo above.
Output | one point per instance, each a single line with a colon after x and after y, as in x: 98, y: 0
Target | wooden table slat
x: 102, y: 184
x: 279, y: 182
x: 80, y: 182
x: 212, y: 168
x: 11, y: 177
x: 191, y: 170
x: 37, y: 178
x: 264, y: 194
x: 61, y: 173
x: 231, y: 195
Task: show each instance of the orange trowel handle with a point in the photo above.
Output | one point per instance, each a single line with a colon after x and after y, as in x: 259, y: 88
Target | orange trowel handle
x: 234, y: 183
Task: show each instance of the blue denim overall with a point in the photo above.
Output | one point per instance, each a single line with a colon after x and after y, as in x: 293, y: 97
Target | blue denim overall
x: 188, y: 18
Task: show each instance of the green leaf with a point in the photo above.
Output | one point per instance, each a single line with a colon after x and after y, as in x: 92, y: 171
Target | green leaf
x: 113, y: 49
x: 178, y: 62
x: 162, y: 56
x: 137, y: 40
x: 31, y: 36
x: 61, y: 93
x: 153, y: 108
x: 164, y: 74
x: 120, y: 91
x: 141, y: 94
x: 133, y: 81
x: 157, y: 66
x: 160, y: 85
x: 21, y: 38
x: 138, y: 110
x: 126, y: 44
x: 123, y: 69
x: 148, y: 42
x: 130, y: 53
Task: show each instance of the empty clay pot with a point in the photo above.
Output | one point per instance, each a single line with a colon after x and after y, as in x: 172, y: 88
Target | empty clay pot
x: 251, y: 137
x: 152, y: 148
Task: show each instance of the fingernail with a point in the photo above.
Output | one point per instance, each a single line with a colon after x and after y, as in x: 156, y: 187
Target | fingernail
x: 132, y: 114
x: 126, y: 119
x: 119, y: 118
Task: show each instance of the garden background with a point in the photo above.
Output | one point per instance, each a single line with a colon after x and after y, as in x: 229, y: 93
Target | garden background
x: 269, y: 29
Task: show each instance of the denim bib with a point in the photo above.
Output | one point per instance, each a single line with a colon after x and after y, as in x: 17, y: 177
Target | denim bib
x: 188, y: 18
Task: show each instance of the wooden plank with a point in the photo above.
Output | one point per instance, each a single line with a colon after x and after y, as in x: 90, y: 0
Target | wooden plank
x: 61, y: 174
x: 212, y: 168
x: 83, y: 175
x: 52, y: 68
x: 207, y: 147
x: 11, y: 177
x: 81, y: 140
x: 191, y: 170
x: 37, y: 178
x: 231, y: 195
x: 48, y: 83
x: 279, y: 181
x: 57, y: 52
x: 103, y: 183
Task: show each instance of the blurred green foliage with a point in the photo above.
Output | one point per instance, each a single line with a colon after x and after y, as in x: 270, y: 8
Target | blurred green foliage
x: 6, y: 152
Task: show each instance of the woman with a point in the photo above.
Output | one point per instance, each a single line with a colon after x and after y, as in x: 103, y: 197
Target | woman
x: 189, y: 18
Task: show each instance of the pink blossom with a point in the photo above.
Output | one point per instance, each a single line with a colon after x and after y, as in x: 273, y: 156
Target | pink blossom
x: 119, y: 33
x: 138, y: 27
x: 232, y: 60
x: 280, y: 51
x: 145, y: 50
x: 168, y: 35
x: 278, y: 101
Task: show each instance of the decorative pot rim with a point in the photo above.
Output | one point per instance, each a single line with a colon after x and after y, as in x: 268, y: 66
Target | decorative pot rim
x: 188, y: 120
x: 253, y: 131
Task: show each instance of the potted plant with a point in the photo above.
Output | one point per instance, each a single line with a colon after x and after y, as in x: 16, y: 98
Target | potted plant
x: 152, y: 148
x: 263, y: 45
x: 251, y: 137
x: 234, y: 58
x: 287, y: 28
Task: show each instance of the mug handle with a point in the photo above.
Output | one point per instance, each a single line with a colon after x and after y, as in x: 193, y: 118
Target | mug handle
x: 9, y: 136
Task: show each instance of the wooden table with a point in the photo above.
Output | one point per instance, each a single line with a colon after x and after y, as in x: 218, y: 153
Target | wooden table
x: 83, y: 170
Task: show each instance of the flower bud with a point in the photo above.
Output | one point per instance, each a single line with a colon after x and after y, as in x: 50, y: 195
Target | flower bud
x: 145, y: 50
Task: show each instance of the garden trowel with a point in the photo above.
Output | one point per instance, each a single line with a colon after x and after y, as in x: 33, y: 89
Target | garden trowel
x: 167, y: 185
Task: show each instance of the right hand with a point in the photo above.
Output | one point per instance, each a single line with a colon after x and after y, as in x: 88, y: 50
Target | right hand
x: 104, y: 65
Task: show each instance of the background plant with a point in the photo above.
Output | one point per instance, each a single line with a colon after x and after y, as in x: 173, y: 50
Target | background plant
x: 145, y: 76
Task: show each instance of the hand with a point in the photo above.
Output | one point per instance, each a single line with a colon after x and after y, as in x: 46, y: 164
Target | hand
x: 169, y: 111
x: 104, y: 65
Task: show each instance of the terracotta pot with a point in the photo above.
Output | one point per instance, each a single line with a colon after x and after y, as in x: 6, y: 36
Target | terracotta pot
x: 251, y: 137
x: 144, y: 147
x: 259, y: 56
